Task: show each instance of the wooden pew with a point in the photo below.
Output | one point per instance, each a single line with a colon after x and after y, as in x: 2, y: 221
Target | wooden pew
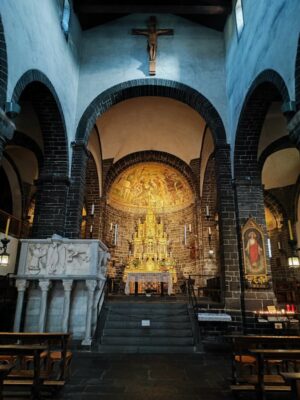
x: 242, y: 345
x: 25, y: 350
x: 270, y: 354
x: 56, y: 347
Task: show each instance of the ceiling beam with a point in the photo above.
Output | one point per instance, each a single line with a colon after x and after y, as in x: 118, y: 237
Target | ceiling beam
x: 152, y: 9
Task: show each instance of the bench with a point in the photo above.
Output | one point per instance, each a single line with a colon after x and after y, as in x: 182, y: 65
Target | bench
x: 56, y: 349
x: 24, y: 350
x: 293, y: 378
x: 242, y: 357
x: 270, y: 354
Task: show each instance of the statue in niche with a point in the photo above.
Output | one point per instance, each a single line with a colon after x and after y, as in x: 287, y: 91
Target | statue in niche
x: 37, y: 255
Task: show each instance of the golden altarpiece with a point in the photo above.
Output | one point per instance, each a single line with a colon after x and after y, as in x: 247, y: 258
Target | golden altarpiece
x: 150, y: 261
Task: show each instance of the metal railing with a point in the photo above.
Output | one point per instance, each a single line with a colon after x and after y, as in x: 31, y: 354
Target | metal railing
x: 204, y: 289
x: 17, y: 227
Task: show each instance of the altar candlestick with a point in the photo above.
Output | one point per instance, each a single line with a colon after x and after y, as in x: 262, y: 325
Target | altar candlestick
x: 209, y: 231
x: 116, y: 234
x: 190, y: 228
x: 269, y: 247
x: 207, y: 211
x: 91, y: 228
x: 93, y: 209
x: 290, y: 230
x: 111, y: 227
x: 279, y: 245
x: 7, y: 227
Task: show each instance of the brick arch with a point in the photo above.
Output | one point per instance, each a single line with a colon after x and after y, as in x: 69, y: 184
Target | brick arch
x: 297, y: 76
x: 153, y: 87
x: 52, y: 183
x: 3, y: 65
x: 148, y: 156
x: 266, y: 88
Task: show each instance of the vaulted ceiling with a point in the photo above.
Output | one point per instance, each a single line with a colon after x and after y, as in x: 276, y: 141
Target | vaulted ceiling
x: 210, y: 13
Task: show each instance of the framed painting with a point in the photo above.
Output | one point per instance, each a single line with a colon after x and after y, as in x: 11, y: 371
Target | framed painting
x: 254, y: 254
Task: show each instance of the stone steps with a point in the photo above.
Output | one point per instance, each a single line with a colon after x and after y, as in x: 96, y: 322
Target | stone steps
x: 136, y: 324
x: 130, y: 349
x: 146, y: 332
x: 170, y: 329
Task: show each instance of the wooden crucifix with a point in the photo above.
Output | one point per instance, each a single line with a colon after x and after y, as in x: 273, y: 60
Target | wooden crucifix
x: 152, y: 34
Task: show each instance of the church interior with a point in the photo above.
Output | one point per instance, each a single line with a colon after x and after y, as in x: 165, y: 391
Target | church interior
x: 150, y: 199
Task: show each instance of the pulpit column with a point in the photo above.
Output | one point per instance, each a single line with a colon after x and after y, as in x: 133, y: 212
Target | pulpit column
x: 91, y: 286
x: 44, y: 285
x: 67, y: 284
x: 21, y: 285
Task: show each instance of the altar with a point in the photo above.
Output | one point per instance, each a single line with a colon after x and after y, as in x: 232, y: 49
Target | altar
x: 144, y: 277
x: 150, y: 260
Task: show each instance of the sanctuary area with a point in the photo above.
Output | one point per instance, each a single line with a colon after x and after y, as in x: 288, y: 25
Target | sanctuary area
x: 150, y: 197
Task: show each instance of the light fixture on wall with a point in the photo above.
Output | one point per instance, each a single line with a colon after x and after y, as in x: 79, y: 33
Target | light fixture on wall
x: 4, y: 256
x: 294, y: 262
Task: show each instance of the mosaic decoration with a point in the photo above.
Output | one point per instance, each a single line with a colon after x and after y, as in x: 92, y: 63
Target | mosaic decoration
x: 150, y: 185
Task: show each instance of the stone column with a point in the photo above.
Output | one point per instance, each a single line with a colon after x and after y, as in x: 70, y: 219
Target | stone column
x: 7, y: 129
x: 91, y: 286
x: 44, y: 285
x: 21, y: 285
x: 76, y: 190
x: 67, y: 284
x: 228, y: 234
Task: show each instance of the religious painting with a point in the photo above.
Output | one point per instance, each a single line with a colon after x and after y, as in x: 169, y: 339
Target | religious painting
x: 150, y: 185
x: 254, y: 254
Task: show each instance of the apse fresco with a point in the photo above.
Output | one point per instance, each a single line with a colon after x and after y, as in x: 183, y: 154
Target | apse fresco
x: 150, y: 185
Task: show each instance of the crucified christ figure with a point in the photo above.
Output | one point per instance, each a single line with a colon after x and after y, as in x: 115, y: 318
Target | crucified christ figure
x: 152, y: 33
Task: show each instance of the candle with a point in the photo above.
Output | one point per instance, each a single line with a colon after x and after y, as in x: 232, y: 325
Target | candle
x: 190, y: 227
x: 290, y: 230
x: 185, y: 234
x: 279, y: 245
x: 7, y: 227
x: 269, y: 247
x: 93, y: 209
x: 209, y: 231
x: 111, y: 227
x: 91, y: 228
x: 207, y: 211
x: 116, y: 234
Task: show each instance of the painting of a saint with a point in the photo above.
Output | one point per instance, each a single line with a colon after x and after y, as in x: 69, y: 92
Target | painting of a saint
x: 253, y: 249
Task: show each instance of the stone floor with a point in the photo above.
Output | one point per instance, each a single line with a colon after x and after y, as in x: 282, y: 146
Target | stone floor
x: 145, y: 376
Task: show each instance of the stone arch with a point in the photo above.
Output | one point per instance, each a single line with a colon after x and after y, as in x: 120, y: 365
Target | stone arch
x: 3, y: 65
x: 146, y: 156
x: 267, y: 87
x: 153, y: 87
x: 52, y: 184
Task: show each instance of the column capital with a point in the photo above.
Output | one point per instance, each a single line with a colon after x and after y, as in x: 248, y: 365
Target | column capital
x: 21, y: 284
x: 91, y: 285
x: 67, y: 284
x: 44, y: 284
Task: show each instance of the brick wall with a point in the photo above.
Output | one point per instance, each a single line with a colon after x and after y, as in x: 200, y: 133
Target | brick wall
x: 92, y: 197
